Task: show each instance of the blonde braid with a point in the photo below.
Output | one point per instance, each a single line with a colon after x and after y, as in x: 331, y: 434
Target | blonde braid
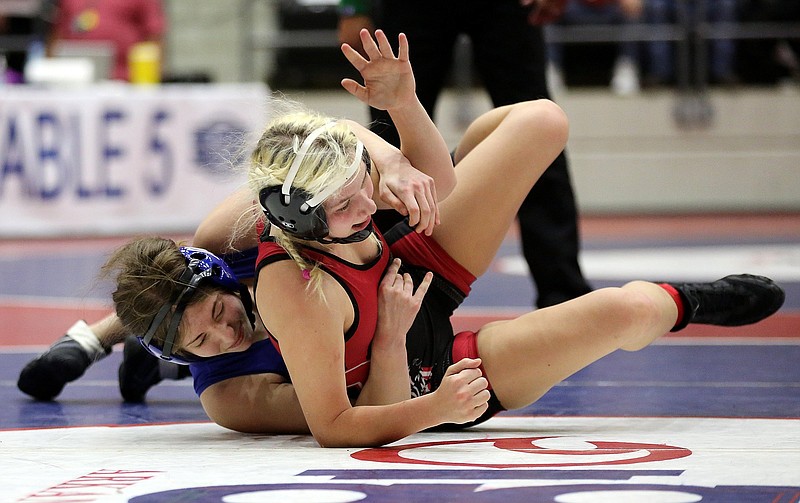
x: 324, y: 163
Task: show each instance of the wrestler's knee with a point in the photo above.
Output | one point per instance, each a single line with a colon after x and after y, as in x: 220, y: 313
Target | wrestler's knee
x: 641, y: 314
x: 545, y: 118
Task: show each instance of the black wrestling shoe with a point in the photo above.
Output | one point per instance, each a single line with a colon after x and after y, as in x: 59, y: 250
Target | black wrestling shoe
x: 732, y: 301
x: 138, y: 371
x: 65, y: 361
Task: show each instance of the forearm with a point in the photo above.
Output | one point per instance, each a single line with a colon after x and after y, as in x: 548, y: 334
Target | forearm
x: 369, y: 426
x: 259, y: 403
x: 231, y: 225
x: 388, y: 380
x: 382, y: 153
x: 423, y: 145
x: 461, y: 397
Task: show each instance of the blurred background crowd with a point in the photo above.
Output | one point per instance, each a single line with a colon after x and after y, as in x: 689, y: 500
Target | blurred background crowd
x: 628, y: 45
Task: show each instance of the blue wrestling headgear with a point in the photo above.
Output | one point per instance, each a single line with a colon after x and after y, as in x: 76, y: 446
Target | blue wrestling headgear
x: 296, y: 212
x: 202, y: 267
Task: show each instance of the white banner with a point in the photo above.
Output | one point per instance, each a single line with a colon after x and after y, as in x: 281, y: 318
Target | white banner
x: 119, y: 159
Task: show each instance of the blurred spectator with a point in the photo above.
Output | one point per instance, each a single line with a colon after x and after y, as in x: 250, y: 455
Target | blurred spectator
x: 19, y: 23
x: 122, y: 23
x: 625, y: 76
x: 769, y: 61
x: 722, y: 51
x: 12, y: 62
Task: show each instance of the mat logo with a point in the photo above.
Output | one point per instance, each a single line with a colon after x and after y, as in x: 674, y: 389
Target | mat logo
x: 523, y: 452
x: 472, y: 492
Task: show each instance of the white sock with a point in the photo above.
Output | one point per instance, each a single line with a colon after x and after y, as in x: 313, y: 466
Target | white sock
x: 83, y: 335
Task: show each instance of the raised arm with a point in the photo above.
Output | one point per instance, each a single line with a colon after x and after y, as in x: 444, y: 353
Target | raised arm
x: 389, y: 85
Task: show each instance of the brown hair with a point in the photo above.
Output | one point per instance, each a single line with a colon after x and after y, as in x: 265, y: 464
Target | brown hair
x: 146, y: 273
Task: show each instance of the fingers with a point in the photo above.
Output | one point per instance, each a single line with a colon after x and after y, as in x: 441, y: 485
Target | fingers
x: 349, y: 27
x: 480, y: 410
x: 413, y: 210
x: 378, y: 67
x: 402, y: 53
x: 478, y: 389
x: 477, y: 397
x: 463, y: 364
x: 378, y: 47
x: 353, y: 56
x: 370, y: 48
x: 419, y: 203
x: 391, y: 273
x: 437, y: 219
x: 374, y: 48
x: 469, y: 388
x: 405, y: 283
x: 392, y: 200
x: 422, y: 289
x: 356, y: 89
x: 473, y: 378
x: 383, y: 44
x: 393, y: 278
x: 429, y: 211
x: 359, y: 63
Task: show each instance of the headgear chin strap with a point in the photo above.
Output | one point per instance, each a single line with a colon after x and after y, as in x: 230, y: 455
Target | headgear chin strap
x: 298, y: 213
x: 355, y: 237
x: 202, y: 266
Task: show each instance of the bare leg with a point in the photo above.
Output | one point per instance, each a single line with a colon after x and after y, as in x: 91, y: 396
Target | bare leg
x: 527, y: 356
x: 499, y: 159
x: 109, y: 331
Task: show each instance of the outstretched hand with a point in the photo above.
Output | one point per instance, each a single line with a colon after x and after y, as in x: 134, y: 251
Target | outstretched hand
x: 388, y: 79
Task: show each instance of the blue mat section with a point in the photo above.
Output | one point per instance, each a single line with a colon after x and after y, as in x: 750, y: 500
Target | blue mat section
x: 661, y: 380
